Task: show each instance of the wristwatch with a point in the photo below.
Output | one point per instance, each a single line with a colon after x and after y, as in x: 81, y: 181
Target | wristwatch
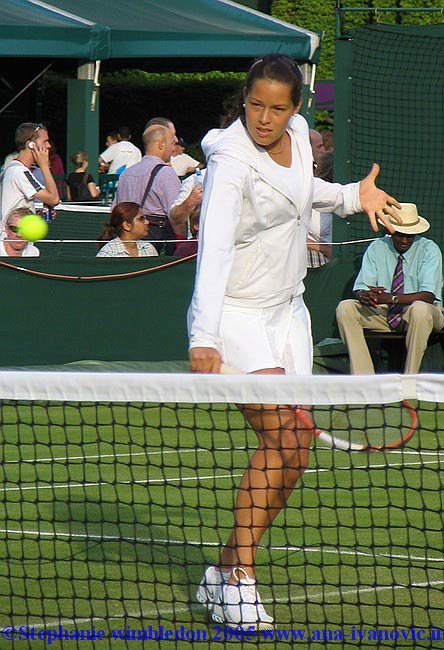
x: 395, y: 299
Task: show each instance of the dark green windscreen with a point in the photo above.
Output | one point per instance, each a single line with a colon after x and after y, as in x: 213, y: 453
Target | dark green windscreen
x: 390, y: 89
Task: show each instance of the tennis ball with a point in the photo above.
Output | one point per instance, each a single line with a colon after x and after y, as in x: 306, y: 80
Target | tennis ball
x: 32, y: 227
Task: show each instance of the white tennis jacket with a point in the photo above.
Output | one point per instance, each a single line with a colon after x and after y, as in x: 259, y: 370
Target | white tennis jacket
x: 254, y: 223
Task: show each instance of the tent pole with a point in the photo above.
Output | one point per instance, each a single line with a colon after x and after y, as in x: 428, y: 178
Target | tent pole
x: 308, y: 78
x: 25, y: 88
x: 82, y: 122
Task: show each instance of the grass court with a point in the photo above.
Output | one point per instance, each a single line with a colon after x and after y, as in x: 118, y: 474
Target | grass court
x: 110, y: 513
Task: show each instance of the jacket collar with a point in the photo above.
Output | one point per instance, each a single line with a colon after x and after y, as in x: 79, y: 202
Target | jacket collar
x: 235, y: 142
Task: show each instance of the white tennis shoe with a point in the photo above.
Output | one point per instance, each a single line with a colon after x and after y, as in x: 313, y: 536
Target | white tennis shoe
x: 239, y: 605
x: 210, y: 584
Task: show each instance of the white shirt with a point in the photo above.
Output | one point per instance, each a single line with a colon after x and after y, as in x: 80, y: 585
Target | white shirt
x: 182, y: 163
x: 120, y: 154
x: 29, y: 251
x: 254, y: 224
x: 187, y: 187
x: 19, y: 186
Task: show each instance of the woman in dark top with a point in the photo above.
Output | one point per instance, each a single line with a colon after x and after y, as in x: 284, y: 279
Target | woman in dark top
x: 81, y: 185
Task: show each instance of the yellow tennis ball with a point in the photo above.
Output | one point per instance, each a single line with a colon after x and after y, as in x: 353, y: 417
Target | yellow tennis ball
x: 32, y: 227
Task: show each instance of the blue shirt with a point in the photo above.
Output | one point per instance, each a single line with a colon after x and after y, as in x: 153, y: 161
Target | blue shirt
x: 422, y: 267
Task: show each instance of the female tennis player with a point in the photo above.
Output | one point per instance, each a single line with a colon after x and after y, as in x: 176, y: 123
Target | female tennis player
x: 247, y: 309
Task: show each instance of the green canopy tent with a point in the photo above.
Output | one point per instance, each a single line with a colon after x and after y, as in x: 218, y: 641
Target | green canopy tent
x: 94, y: 31
x: 103, y: 29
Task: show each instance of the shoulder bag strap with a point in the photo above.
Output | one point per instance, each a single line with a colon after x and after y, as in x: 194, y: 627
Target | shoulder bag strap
x: 153, y: 175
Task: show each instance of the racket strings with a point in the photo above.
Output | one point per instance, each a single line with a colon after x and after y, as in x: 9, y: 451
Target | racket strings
x: 362, y: 427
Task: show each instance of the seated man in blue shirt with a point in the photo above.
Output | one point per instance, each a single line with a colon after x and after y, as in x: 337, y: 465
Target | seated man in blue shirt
x: 398, y: 288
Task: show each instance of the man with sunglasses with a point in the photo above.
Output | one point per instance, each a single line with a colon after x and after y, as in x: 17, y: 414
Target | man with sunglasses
x: 19, y: 186
x: 11, y: 244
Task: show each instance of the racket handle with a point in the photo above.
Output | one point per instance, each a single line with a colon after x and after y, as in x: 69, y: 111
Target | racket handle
x: 336, y: 443
x: 230, y: 370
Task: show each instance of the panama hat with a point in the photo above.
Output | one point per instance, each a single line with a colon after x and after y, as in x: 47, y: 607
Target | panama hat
x: 412, y: 223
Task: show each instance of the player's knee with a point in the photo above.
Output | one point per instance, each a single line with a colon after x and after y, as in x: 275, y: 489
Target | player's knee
x: 295, y: 451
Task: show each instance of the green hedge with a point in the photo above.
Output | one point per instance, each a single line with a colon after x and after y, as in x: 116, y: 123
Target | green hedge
x: 319, y: 16
x: 194, y: 102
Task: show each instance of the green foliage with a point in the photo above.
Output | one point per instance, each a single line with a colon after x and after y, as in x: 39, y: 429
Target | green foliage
x: 319, y: 16
x: 194, y: 102
x: 323, y: 120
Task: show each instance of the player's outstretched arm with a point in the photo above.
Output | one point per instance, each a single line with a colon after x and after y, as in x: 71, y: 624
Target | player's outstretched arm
x: 375, y: 202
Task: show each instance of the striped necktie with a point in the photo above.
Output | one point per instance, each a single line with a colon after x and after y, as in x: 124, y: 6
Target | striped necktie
x: 394, y: 314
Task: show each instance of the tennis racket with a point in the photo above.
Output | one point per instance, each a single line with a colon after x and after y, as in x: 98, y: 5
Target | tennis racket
x: 378, y: 427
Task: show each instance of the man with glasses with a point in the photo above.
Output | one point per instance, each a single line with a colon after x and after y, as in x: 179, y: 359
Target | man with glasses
x: 19, y: 186
x: 11, y: 244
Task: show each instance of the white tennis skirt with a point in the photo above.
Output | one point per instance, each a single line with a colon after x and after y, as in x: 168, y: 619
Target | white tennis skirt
x: 270, y: 337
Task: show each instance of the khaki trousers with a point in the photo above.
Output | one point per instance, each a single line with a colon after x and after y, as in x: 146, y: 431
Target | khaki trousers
x: 418, y: 321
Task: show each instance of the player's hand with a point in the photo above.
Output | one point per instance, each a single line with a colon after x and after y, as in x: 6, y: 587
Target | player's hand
x: 206, y: 360
x: 376, y: 203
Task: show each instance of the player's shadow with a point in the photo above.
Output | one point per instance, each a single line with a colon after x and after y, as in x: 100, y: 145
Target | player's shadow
x: 145, y: 568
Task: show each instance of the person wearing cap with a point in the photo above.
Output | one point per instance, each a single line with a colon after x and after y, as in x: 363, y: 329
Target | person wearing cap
x: 398, y: 289
x: 181, y: 162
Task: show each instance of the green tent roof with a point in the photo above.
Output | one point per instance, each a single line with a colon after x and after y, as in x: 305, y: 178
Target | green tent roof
x: 104, y: 29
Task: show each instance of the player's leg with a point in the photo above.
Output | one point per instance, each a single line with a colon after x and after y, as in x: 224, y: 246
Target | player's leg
x: 273, y: 470
x: 272, y: 473
x: 280, y: 333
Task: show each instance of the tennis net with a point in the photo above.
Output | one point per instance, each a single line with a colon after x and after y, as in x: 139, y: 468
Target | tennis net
x: 118, y: 489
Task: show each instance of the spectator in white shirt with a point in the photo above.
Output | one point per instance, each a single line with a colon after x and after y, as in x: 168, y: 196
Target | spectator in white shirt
x: 122, y: 154
x: 181, y: 162
x: 19, y: 186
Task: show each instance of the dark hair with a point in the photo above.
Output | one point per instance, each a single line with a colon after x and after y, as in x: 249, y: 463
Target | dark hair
x: 277, y: 67
x: 25, y: 132
x: 125, y: 211
x: 324, y: 167
x: 124, y: 132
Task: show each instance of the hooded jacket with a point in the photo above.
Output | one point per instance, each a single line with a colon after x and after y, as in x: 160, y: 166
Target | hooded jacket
x: 254, y: 224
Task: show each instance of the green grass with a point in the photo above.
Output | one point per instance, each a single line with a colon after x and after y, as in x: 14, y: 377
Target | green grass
x: 108, y: 515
